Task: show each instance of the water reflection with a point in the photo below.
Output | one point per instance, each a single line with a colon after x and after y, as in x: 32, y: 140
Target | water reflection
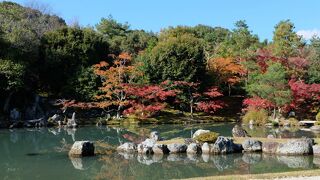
x: 53, y: 163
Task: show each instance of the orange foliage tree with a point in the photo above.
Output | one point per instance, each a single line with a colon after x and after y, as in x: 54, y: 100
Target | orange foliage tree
x: 113, y: 78
x: 226, y: 70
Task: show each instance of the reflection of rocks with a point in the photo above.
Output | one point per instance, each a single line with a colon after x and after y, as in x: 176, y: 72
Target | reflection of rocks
x: 223, y: 162
x: 127, y: 147
x: 205, y: 157
x: 316, y: 161
x: 126, y: 155
x: 296, y: 147
x: 193, y: 148
x: 199, y: 131
x: 157, y: 157
x: 82, y: 148
x: 251, y: 145
x: 252, y: 158
x: 145, y: 159
x: 316, y: 150
x: 296, y: 161
x: 193, y: 157
x: 175, y: 157
x: 77, y: 163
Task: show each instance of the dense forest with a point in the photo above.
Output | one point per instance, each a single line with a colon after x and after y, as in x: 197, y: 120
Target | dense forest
x: 126, y: 71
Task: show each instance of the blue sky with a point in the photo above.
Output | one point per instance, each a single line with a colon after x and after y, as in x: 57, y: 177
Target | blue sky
x: 261, y: 16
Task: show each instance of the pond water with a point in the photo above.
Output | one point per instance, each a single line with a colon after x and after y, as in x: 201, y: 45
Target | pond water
x: 42, y: 154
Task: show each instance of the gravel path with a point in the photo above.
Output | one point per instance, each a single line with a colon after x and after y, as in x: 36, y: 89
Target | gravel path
x: 298, y: 178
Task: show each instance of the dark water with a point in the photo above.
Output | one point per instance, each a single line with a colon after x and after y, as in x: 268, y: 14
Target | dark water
x: 42, y: 154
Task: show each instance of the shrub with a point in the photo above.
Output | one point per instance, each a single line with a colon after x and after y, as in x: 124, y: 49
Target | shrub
x: 259, y: 117
x: 293, y: 122
x: 209, y: 137
x: 318, y: 117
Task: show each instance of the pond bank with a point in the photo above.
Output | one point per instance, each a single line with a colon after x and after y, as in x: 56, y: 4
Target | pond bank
x: 311, y: 174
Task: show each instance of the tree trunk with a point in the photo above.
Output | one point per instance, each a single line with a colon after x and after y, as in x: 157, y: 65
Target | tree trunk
x: 229, y: 86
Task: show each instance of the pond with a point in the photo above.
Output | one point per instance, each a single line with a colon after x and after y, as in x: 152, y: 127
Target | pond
x: 42, y: 154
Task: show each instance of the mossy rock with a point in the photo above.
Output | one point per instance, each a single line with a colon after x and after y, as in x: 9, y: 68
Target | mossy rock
x: 209, y: 137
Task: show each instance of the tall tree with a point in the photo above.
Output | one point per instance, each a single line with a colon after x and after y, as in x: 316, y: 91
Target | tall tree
x: 314, y: 58
x: 175, y: 58
x: 272, y: 86
x: 286, y: 42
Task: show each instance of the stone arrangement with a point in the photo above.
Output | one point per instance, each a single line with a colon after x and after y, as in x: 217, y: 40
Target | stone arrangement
x: 223, y: 145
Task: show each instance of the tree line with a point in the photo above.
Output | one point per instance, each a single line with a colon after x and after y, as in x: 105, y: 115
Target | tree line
x: 129, y: 71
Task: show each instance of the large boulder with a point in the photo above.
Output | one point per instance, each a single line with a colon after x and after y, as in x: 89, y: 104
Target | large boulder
x: 177, y: 148
x: 251, y: 145
x: 160, y: 149
x: 205, y: 148
x: 238, y: 131
x: 127, y: 147
x: 82, y: 148
x: 155, y: 136
x: 194, y: 148
x: 199, y: 131
x: 269, y: 147
x: 296, y: 147
x: 223, y: 145
x: 146, y: 146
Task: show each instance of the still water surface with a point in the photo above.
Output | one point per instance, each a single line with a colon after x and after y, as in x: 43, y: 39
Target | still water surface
x: 42, y: 154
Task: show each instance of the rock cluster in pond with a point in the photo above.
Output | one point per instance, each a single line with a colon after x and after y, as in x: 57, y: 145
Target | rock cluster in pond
x: 81, y: 149
x: 222, y: 145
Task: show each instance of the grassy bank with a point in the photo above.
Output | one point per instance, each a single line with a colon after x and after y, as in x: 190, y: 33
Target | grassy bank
x: 304, y: 173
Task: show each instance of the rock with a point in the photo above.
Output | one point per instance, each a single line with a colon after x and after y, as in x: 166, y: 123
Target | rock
x: 315, y: 128
x: 296, y: 147
x: 316, y: 150
x: 160, y: 149
x: 56, y: 117
x: 238, y: 131
x: 15, y: 114
x: 82, y: 148
x: 251, y: 145
x: 223, y: 145
x: 269, y: 147
x: 270, y: 136
x: 155, y: 135
x: 72, y: 122
x: 146, y: 146
x: 127, y: 147
x: 177, y: 148
x: 198, y: 132
x: 205, y: 148
x: 251, y: 122
x: 194, y: 148
x: 252, y: 158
